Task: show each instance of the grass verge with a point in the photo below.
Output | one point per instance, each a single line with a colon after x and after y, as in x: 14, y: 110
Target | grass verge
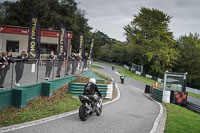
x: 97, y: 67
x: 41, y: 107
x: 181, y: 120
x: 148, y: 81
x: 137, y: 77
x: 194, y: 95
x: 100, y: 75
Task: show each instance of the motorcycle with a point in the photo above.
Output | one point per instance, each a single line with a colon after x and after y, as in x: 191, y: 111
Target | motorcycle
x: 122, y: 79
x: 91, y: 105
x: 113, y: 67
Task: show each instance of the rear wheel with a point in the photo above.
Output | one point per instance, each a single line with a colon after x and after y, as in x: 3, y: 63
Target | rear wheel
x: 83, y: 115
x: 99, y: 111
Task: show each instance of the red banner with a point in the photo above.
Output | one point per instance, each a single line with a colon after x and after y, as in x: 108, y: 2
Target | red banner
x: 25, y: 31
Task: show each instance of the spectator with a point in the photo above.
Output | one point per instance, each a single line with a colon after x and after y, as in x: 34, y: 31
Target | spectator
x: 73, y: 58
x: 79, y: 62
x: 3, y: 64
x: 49, y: 65
x: 85, y: 58
x: 59, y: 64
x: 69, y: 61
x: 10, y: 59
x: 19, y: 67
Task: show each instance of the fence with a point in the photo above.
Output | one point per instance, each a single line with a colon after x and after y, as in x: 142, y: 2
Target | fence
x: 27, y: 72
x: 192, y: 90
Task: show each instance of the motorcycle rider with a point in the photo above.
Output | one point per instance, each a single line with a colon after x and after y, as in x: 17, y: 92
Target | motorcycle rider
x: 90, y: 89
x: 122, y: 77
x: 113, y: 67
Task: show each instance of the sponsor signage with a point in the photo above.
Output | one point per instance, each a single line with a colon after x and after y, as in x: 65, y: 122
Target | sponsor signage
x: 25, y: 31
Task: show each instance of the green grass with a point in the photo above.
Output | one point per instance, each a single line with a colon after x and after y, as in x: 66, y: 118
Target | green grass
x: 194, y: 95
x: 97, y: 67
x: 137, y: 77
x: 39, y: 108
x: 181, y: 120
x: 148, y: 81
x: 98, y: 75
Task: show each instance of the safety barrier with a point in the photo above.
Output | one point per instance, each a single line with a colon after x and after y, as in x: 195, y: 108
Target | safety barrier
x: 157, y: 94
x: 194, y: 107
x: 5, y: 98
x: 77, y: 89
x: 18, y: 97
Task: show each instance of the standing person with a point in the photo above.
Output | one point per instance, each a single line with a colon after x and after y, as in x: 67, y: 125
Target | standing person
x: 19, y: 67
x: 59, y: 64
x: 10, y: 59
x: 85, y: 58
x: 3, y: 64
x: 73, y: 58
x: 49, y: 65
x: 68, y: 65
x: 79, y: 61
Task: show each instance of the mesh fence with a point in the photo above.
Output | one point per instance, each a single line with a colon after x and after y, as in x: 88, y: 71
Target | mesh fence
x: 27, y: 72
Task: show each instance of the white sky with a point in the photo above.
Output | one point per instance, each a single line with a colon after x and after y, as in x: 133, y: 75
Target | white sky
x: 110, y: 16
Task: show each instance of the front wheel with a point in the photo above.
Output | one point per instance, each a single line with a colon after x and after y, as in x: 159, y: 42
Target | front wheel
x: 99, y: 111
x: 83, y: 115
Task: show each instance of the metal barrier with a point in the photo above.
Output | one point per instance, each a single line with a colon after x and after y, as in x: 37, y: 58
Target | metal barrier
x: 194, y: 107
x: 27, y: 72
x: 157, y: 94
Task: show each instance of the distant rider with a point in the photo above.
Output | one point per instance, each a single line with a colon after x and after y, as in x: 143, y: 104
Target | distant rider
x: 113, y: 67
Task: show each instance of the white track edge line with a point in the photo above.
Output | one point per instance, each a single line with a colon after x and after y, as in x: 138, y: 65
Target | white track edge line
x: 158, y: 119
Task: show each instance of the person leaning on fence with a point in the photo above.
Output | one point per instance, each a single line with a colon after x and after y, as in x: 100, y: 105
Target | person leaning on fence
x: 49, y: 65
x: 3, y: 64
x: 19, y: 67
x: 61, y: 58
x: 10, y: 59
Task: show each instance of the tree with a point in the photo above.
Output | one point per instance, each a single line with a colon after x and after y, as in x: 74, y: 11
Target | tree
x: 51, y: 13
x: 189, y: 60
x: 149, y: 37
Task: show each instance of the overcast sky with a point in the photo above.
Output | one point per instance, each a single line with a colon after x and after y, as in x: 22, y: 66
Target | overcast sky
x: 110, y: 16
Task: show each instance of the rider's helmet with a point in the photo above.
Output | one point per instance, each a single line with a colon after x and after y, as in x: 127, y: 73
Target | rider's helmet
x: 92, y: 80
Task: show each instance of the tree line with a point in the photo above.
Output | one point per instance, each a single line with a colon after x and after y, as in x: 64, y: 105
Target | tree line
x: 149, y: 43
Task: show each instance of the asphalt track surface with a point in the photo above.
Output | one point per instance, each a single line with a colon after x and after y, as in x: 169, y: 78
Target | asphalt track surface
x: 132, y: 113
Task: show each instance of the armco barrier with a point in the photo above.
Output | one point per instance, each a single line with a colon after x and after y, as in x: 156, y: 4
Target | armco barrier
x: 157, y: 94
x: 18, y: 97
x: 77, y: 89
x: 5, y: 98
